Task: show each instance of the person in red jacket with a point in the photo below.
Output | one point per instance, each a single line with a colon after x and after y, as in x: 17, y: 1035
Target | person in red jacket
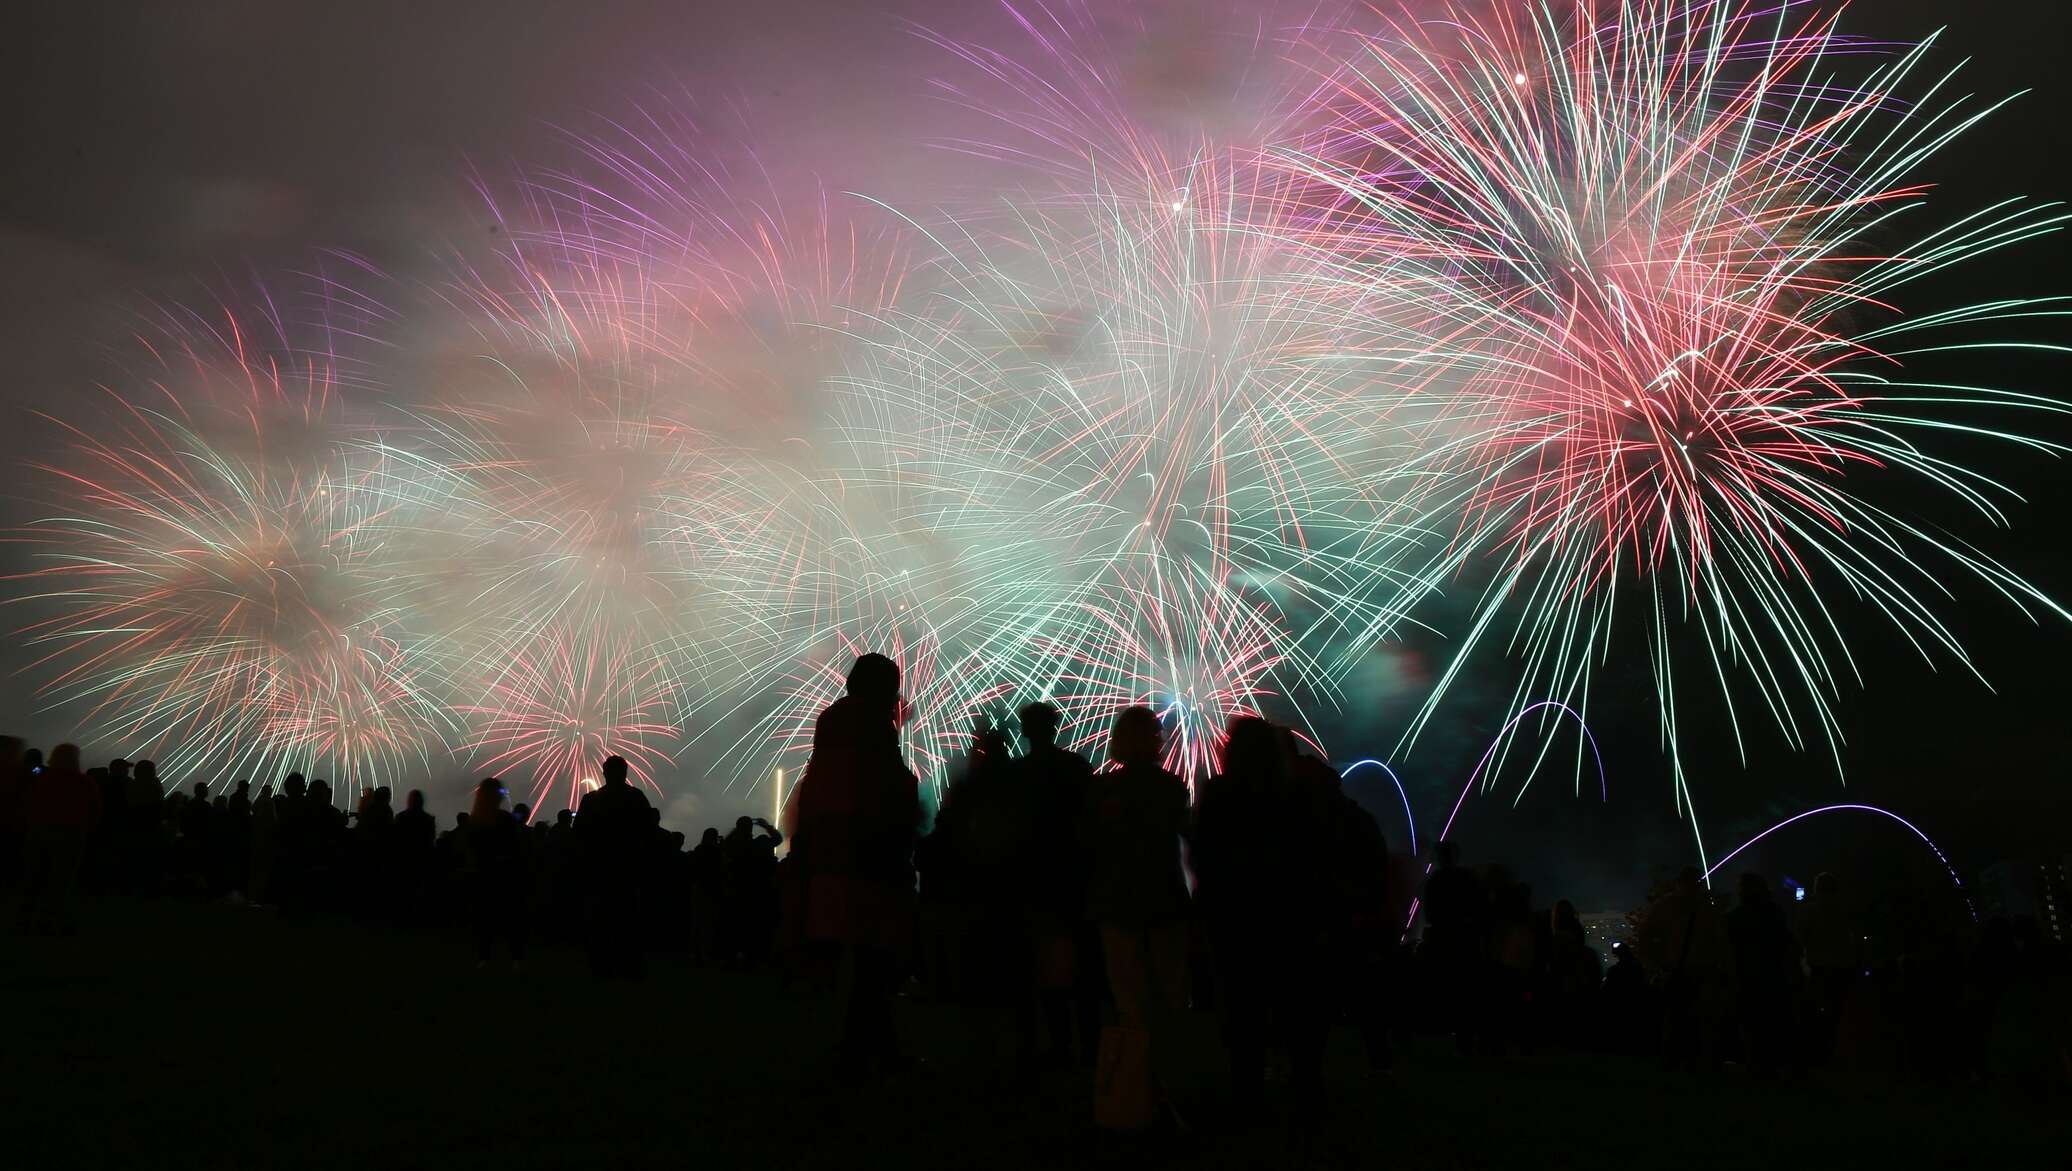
x: 63, y: 805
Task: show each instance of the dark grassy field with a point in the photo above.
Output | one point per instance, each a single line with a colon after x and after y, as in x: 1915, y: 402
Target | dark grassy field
x: 176, y: 1035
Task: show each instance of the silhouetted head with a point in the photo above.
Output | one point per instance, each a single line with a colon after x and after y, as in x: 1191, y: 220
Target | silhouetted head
x: 489, y: 800
x: 1753, y: 890
x: 1690, y: 880
x: 1253, y: 750
x: 1446, y: 854
x: 244, y: 788
x: 201, y: 790
x: 147, y: 772
x: 1135, y: 738
x: 982, y: 736
x: 32, y: 759
x: 294, y: 786
x: 521, y: 813
x: 459, y: 820
x: 64, y: 759
x: 874, y: 679
x: 383, y: 795
x: 414, y: 801
x: 1040, y: 722
x: 320, y: 791
x: 743, y: 825
x: 119, y: 768
x: 710, y: 835
x: 614, y: 770
x: 564, y: 817
x: 989, y: 746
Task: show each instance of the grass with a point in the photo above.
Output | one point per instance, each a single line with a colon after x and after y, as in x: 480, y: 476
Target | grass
x: 179, y: 1035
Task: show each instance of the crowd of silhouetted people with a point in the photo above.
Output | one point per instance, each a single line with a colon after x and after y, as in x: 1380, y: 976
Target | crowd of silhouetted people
x: 1078, y: 910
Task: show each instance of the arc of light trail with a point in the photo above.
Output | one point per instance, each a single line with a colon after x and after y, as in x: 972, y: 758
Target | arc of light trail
x: 1603, y: 788
x: 1925, y: 840
x: 1409, y: 820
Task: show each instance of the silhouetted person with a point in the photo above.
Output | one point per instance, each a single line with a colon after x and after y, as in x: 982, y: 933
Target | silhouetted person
x: 1136, y: 894
x: 450, y: 856
x: 1456, y: 917
x: 14, y: 800
x: 1833, y: 939
x: 231, y: 843
x: 412, y: 842
x: 854, y: 815
x: 708, y: 878
x: 1260, y: 894
x: 1065, y: 949
x: 1627, y: 1009
x: 988, y: 825
x: 1683, y: 939
x: 498, y: 885
x: 143, y: 855
x: 293, y: 833
x: 1369, y: 899
x: 197, y: 838
x: 611, y: 832
x: 1511, y: 962
x: 324, y: 845
x: 266, y: 842
x: 750, y: 889
x: 1571, y: 977
x: 104, y: 849
x: 1766, y: 971
x: 63, y: 805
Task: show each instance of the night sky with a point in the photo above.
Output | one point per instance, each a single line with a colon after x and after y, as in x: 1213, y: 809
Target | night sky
x: 154, y: 150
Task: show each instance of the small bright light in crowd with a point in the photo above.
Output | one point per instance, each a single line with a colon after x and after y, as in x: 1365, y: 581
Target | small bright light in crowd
x: 1798, y: 894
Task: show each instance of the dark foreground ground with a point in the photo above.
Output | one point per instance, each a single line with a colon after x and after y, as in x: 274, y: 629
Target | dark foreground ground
x: 177, y: 1035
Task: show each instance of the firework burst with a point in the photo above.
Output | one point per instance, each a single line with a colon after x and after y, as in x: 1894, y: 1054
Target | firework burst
x: 213, y: 579
x: 569, y: 698
x: 1653, y: 242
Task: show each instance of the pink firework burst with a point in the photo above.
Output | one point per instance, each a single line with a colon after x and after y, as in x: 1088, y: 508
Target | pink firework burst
x: 568, y: 699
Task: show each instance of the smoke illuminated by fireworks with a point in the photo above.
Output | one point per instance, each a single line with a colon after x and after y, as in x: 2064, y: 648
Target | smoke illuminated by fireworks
x: 1600, y: 312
